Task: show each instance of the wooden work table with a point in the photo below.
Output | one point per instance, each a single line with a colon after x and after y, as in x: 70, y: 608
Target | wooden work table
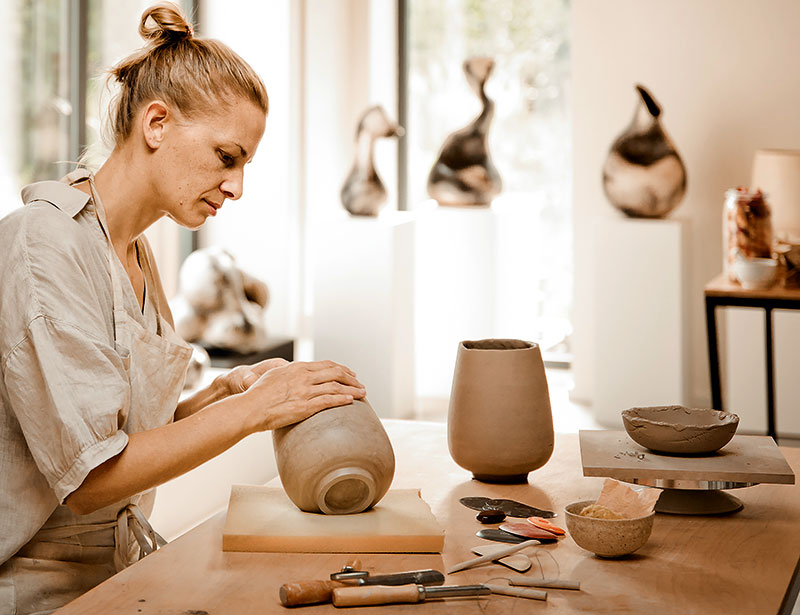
x: 740, y: 563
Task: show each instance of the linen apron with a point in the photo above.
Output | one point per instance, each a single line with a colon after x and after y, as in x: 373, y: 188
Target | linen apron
x: 71, y: 553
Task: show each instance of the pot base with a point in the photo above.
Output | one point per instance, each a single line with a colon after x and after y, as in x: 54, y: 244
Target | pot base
x: 505, y: 479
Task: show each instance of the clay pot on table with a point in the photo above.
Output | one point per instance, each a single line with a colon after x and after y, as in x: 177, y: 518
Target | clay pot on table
x: 500, y: 425
x: 338, y: 461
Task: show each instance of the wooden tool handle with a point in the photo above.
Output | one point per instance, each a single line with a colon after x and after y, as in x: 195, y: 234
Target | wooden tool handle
x: 553, y: 583
x: 307, y: 592
x: 375, y: 594
x: 519, y: 592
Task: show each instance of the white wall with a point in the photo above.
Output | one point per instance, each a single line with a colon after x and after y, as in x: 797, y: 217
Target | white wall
x: 725, y: 74
x: 261, y: 228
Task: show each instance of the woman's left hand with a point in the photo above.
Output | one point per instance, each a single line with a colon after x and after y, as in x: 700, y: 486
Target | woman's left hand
x: 240, y: 378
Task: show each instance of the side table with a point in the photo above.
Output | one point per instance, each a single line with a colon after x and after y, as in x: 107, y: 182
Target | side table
x: 720, y: 292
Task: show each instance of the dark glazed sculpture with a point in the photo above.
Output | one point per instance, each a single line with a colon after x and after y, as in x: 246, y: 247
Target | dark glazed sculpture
x: 463, y: 174
x: 644, y: 176
x: 338, y: 461
x: 363, y: 192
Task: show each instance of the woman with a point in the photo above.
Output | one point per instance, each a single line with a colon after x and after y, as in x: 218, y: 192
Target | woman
x: 91, y: 369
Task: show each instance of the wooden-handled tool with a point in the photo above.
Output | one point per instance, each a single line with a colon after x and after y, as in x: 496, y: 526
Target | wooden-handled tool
x: 551, y: 583
x: 381, y: 594
x: 307, y: 592
x: 316, y: 592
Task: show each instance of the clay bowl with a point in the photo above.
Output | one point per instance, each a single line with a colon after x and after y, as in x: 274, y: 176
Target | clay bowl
x: 607, y: 537
x: 681, y: 430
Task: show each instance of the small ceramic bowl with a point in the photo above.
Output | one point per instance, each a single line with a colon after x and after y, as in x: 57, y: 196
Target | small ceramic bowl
x: 607, y: 537
x: 677, y: 429
x: 755, y: 273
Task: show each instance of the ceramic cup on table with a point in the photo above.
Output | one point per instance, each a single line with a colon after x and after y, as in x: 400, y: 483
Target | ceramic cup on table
x: 755, y: 273
x: 499, y: 424
x: 338, y: 461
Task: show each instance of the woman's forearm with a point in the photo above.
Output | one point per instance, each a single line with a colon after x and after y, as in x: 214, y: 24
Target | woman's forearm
x: 216, y: 391
x: 158, y: 455
x: 278, y: 397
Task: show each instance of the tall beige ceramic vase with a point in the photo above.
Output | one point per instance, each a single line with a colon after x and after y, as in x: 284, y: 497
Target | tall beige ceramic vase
x: 500, y: 425
x: 338, y: 461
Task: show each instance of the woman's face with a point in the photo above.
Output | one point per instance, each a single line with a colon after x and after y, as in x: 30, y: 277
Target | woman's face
x: 200, y: 163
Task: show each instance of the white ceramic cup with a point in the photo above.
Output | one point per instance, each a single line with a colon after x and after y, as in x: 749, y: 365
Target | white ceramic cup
x: 755, y: 273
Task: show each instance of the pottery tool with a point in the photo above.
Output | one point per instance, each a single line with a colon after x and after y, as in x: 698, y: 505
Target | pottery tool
x: 546, y: 525
x: 316, y: 592
x: 381, y: 594
x: 511, y: 508
x: 491, y: 516
x: 501, y: 536
x: 516, y: 561
x: 549, y: 583
x: 491, y: 556
x: 517, y: 592
x: 527, y: 530
x: 415, y: 577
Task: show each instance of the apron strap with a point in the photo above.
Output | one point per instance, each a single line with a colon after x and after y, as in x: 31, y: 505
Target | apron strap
x: 129, y: 520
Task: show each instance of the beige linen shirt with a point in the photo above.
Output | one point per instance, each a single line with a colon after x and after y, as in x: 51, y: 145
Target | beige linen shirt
x: 64, y: 391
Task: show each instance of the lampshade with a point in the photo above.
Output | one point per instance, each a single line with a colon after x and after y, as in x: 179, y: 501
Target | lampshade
x: 777, y: 173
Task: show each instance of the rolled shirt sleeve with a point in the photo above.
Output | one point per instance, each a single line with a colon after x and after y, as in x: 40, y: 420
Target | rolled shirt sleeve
x: 71, y: 397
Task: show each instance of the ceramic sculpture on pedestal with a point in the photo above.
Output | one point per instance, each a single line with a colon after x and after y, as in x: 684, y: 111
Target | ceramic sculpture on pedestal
x: 363, y: 192
x: 643, y: 175
x: 463, y: 173
x: 499, y: 424
x: 338, y: 461
x: 218, y: 305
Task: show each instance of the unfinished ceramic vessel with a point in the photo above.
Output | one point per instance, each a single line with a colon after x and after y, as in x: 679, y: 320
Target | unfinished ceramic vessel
x: 338, y: 461
x: 463, y: 173
x: 607, y: 537
x: 643, y: 175
x: 499, y: 425
x: 677, y: 429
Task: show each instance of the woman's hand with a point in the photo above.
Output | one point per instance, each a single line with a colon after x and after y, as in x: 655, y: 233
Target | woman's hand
x: 242, y: 377
x: 292, y: 392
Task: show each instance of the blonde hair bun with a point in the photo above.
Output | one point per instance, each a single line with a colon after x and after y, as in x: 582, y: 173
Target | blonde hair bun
x: 165, y: 23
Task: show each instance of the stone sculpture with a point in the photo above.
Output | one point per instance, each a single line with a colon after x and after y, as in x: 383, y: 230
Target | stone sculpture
x: 218, y: 304
x: 463, y: 173
x: 338, y: 461
x: 363, y: 192
x: 643, y: 175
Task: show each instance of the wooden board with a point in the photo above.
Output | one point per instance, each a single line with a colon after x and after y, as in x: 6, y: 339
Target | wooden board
x: 263, y: 519
x: 746, y: 459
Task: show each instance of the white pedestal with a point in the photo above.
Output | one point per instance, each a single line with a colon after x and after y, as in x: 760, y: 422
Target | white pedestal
x: 364, y: 304
x: 640, y: 349
x: 455, y: 289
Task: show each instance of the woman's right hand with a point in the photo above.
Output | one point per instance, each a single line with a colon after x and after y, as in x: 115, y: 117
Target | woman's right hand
x: 293, y: 392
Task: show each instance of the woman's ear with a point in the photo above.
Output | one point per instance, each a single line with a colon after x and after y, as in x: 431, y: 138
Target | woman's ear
x: 154, y: 119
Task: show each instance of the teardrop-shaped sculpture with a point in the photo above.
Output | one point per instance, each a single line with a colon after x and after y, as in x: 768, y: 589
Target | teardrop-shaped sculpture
x: 338, y: 461
x: 463, y: 173
x: 499, y: 424
x: 363, y: 192
x: 643, y: 175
